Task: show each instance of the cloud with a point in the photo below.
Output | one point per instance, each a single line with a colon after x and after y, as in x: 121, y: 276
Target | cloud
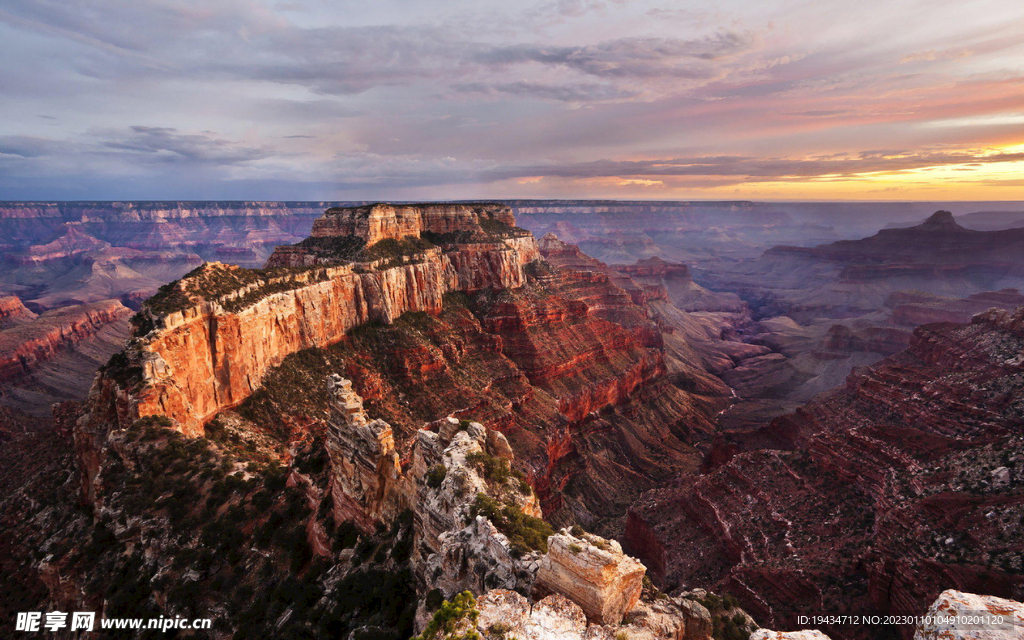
x: 29, y: 146
x: 581, y: 92
x: 931, y: 55
x: 167, y: 144
x: 428, y: 96
x: 239, y: 40
x: 634, y: 57
x: 762, y: 169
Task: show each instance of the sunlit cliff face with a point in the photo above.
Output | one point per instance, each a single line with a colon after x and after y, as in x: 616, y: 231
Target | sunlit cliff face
x: 792, y: 99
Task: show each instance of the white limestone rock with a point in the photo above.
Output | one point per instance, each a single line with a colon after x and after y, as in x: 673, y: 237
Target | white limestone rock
x: 968, y: 607
x: 593, y: 572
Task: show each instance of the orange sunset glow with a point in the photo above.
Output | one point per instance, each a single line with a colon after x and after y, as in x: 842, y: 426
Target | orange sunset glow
x: 786, y: 99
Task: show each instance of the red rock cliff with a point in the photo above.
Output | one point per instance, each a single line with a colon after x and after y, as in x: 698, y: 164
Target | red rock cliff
x: 13, y: 312
x: 214, y: 334
x: 381, y: 221
x: 22, y: 347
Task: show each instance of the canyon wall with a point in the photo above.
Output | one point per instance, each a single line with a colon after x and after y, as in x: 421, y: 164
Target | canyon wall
x: 380, y: 221
x: 13, y: 312
x: 214, y: 353
x: 560, y: 355
x: 29, y: 344
x: 905, y: 481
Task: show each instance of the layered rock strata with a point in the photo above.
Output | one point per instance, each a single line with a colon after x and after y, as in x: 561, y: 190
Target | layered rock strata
x: 208, y: 340
x: 902, y: 483
x: 36, y: 340
x: 381, y: 221
x: 594, y: 572
x: 13, y: 312
x: 442, y: 485
x: 556, y: 354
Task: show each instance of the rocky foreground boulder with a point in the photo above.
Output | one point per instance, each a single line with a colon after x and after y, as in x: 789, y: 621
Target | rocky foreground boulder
x: 956, y: 615
x: 594, y: 573
x: 556, y: 617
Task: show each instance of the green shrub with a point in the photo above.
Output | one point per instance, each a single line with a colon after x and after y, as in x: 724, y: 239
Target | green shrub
x: 492, y: 468
x: 152, y: 422
x: 436, y: 475
x: 524, y: 532
x: 450, y: 621
x: 394, y: 250
x: 434, y: 599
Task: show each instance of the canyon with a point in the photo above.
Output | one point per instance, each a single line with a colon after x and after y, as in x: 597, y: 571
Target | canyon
x: 478, y: 323
x: 62, y: 254
x: 919, y: 457
x: 427, y: 399
x: 474, y: 328
x: 52, y: 357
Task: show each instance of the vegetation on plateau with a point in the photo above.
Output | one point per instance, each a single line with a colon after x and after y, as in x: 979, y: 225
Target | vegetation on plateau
x: 524, y: 532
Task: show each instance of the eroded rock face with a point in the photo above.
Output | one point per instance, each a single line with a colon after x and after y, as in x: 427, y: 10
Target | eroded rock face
x: 364, y: 464
x: 13, y: 312
x: 478, y: 557
x: 966, y: 616
x: 381, y: 221
x: 35, y: 340
x: 456, y: 550
x: 242, y: 232
x: 552, y: 618
x: 911, y: 309
x: 891, y: 470
x: 459, y: 550
x: 565, y: 346
x: 210, y: 348
x: 593, y: 572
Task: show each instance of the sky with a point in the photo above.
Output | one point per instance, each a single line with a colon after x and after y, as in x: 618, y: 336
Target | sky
x: 455, y: 99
